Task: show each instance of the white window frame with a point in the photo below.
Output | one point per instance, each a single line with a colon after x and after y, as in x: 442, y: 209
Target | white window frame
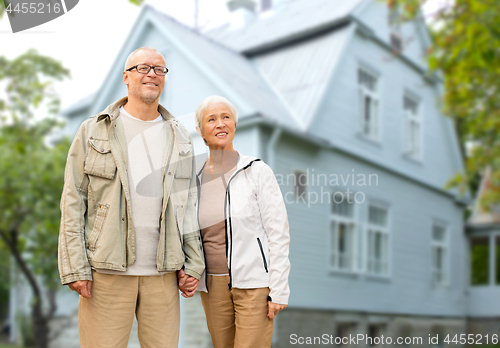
x: 348, y: 258
x: 373, y: 229
x: 413, y: 128
x: 440, y: 277
x: 298, y: 186
x: 371, y: 127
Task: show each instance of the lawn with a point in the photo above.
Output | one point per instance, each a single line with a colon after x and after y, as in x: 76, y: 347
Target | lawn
x: 8, y: 346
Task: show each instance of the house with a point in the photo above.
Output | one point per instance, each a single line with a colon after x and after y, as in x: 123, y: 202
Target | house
x: 337, y: 98
x: 483, y: 232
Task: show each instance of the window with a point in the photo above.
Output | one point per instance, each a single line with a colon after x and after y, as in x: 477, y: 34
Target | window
x: 375, y: 332
x: 439, y: 254
x: 300, y: 183
x: 479, y: 259
x: 413, y: 127
x: 395, y: 28
x: 344, y: 330
x: 342, y: 244
x: 378, y: 240
x: 368, y: 104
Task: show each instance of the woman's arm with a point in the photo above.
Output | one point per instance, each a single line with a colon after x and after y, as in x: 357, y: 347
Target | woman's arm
x: 275, y: 222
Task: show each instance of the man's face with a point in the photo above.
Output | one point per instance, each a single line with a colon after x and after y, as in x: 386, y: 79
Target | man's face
x: 146, y: 87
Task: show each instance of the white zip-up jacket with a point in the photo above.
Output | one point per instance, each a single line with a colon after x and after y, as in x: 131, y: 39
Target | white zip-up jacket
x: 257, y: 232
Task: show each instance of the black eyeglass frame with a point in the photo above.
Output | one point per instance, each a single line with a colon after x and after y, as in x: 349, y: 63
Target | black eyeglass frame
x: 149, y: 69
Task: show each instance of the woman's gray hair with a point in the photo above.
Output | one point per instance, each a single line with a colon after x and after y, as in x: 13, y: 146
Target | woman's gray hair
x: 214, y: 99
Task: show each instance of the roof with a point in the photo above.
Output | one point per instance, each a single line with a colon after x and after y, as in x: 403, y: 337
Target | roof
x: 480, y: 216
x: 236, y: 71
x: 300, y: 72
x: 293, y: 20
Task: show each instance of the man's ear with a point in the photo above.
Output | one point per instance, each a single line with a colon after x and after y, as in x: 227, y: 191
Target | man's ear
x: 125, y: 78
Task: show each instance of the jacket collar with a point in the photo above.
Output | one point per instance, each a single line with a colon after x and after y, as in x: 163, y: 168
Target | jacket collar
x: 243, y: 161
x: 112, y: 111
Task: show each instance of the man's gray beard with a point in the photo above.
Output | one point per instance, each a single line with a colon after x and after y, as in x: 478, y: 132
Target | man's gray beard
x: 150, y: 99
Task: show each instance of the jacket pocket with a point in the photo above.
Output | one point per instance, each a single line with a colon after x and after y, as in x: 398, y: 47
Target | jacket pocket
x: 99, y: 220
x: 100, y: 161
x: 263, y: 256
x: 185, y: 162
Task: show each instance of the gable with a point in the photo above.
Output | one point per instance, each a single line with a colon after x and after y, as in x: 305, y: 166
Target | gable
x: 414, y: 35
x: 300, y: 72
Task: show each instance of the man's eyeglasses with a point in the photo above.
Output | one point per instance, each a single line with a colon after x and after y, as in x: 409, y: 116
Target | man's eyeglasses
x: 144, y: 69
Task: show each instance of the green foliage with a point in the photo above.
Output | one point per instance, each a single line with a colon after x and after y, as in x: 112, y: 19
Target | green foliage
x: 32, y: 169
x: 465, y: 48
x: 479, y: 258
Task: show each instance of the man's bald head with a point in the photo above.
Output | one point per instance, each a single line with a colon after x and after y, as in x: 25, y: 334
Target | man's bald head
x: 131, y: 57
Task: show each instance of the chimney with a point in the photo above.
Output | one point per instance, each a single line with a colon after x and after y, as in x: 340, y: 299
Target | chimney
x: 241, y: 12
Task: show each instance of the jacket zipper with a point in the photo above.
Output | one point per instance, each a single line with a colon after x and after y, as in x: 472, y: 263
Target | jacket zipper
x: 198, y: 183
x: 263, y: 256
x: 227, y: 207
x: 171, y: 143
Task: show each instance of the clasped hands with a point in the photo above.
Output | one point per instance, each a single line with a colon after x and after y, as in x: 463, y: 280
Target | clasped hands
x: 187, y: 284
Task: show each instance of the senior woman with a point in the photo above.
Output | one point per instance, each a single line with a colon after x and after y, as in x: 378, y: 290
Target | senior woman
x: 244, y: 227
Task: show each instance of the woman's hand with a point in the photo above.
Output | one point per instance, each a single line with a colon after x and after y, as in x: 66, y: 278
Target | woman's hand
x: 274, y: 308
x: 187, y: 284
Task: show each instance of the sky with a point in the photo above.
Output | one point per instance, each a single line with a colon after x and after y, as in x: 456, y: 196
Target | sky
x: 88, y: 38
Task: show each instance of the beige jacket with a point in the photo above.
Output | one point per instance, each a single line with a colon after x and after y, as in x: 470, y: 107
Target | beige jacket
x: 96, y: 222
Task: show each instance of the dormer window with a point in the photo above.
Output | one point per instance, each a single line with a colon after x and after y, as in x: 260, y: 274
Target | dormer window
x: 395, y: 36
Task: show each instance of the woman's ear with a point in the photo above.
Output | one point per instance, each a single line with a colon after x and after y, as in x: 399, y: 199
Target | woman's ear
x: 199, y: 131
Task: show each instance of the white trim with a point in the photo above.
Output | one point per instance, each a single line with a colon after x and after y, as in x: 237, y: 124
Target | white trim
x: 354, y: 235
x: 445, y: 246
x: 412, y: 120
x: 385, y: 231
x: 374, y: 125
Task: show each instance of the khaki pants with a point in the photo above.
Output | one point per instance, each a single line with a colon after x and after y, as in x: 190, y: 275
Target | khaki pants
x: 238, y: 317
x: 105, y: 320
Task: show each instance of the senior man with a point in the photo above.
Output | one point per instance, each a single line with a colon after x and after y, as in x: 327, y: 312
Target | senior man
x: 128, y: 220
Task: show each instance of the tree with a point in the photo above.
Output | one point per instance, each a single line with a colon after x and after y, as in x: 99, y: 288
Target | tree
x: 32, y: 177
x: 466, y: 49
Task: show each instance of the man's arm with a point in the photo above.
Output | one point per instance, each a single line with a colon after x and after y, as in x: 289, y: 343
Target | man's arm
x: 72, y: 255
x: 194, y: 263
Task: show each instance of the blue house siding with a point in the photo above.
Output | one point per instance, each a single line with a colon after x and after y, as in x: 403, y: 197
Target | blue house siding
x: 338, y: 114
x: 412, y: 211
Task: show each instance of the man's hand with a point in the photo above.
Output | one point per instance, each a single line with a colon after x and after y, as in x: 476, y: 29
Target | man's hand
x: 274, y: 309
x: 187, y: 284
x: 82, y: 287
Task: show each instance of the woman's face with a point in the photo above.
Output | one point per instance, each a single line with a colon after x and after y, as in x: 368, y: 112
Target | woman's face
x: 218, y: 126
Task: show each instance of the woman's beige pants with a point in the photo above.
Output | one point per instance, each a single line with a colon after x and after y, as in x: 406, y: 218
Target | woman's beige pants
x: 237, y: 317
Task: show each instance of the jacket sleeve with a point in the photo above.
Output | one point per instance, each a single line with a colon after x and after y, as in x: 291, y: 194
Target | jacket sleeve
x: 275, y: 222
x: 194, y: 263
x: 72, y: 255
